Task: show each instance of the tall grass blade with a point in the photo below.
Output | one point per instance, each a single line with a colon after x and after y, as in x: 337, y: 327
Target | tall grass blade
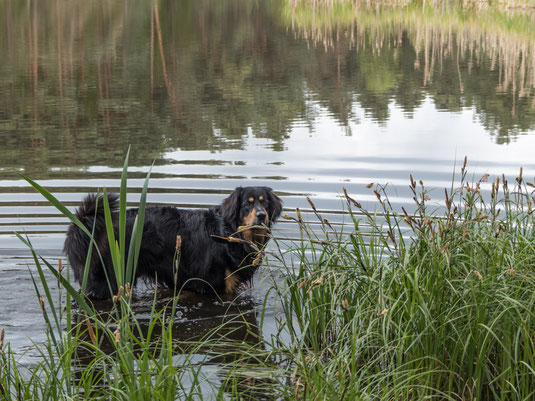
x: 137, y: 232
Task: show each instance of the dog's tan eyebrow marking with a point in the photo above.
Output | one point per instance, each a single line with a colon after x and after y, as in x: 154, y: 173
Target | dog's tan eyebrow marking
x: 261, y: 198
x: 251, y: 199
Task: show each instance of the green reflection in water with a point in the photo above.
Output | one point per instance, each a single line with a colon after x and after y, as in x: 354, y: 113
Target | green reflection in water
x: 80, y: 81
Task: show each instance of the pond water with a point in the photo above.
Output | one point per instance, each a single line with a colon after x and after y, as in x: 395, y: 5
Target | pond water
x: 227, y: 93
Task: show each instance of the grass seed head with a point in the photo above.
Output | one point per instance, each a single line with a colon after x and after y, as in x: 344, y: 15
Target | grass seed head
x: 119, y: 294
x: 117, y: 335
x: 257, y: 259
x: 178, y: 243
x: 315, y: 283
x: 477, y: 274
x: 383, y: 312
x: 90, y: 330
x: 312, y: 205
x: 377, y: 194
x: 350, y: 199
x: 413, y: 183
x: 345, y: 304
x: 303, y: 283
x: 519, y: 178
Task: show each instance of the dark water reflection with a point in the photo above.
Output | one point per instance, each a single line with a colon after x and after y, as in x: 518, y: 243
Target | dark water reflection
x: 227, y: 93
x: 80, y: 82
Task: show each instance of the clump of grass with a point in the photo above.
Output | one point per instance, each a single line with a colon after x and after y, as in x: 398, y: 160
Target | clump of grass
x: 109, y: 356
x: 419, y: 305
x: 437, y: 302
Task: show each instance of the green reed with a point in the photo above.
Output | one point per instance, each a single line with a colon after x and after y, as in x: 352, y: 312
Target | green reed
x: 434, y: 304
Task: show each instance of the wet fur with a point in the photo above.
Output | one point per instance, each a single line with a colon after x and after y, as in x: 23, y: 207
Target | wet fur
x: 207, y: 262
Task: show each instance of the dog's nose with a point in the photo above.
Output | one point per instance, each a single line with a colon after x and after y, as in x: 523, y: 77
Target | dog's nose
x: 261, y: 215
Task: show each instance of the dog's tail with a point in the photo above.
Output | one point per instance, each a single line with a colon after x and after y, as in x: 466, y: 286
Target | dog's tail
x: 93, y: 207
x: 91, y: 214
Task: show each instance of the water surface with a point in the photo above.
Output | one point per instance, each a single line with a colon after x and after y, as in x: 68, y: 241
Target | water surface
x: 229, y: 93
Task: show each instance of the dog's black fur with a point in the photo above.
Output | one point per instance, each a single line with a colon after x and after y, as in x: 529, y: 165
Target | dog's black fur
x: 207, y: 259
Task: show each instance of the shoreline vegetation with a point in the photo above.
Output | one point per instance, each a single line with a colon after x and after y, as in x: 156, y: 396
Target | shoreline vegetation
x: 435, y: 303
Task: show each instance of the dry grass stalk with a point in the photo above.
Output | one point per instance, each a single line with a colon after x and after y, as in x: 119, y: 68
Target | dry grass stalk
x: 2, y: 336
x: 90, y: 330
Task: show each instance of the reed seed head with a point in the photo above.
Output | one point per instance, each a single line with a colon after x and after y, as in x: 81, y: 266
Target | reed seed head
x: 311, y: 203
x: 477, y: 274
x: 90, y: 330
x: 127, y: 290
x: 178, y: 243
x: 350, y: 199
x: 383, y: 312
x: 303, y: 283
x: 377, y: 194
x: 345, y: 304
x: 315, y: 283
x: 257, y: 259
x: 413, y: 183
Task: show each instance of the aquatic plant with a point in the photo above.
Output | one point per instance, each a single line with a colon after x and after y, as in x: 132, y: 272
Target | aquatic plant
x: 93, y: 354
x: 436, y: 301
x: 421, y: 305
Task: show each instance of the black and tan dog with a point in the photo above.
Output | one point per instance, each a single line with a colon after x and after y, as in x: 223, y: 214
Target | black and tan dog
x: 208, y: 260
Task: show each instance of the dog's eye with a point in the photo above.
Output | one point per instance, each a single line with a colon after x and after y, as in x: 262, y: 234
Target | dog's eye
x: 251, y: 199
x: 260, y: 198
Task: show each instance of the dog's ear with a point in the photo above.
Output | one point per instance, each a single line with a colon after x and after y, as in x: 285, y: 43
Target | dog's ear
x: 230, y: 207
x: 275, y: 205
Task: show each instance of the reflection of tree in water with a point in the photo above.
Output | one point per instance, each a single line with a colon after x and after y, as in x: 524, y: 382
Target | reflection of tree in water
x: 459, y: 60
x: 79, y: 82
x: 194, y: 75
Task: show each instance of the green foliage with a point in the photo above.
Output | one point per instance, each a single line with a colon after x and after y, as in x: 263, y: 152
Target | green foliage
x: 417, y: 306
x: 394, y: 305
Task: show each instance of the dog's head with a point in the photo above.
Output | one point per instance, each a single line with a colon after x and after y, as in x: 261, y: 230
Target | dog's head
x: 251, y: 206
